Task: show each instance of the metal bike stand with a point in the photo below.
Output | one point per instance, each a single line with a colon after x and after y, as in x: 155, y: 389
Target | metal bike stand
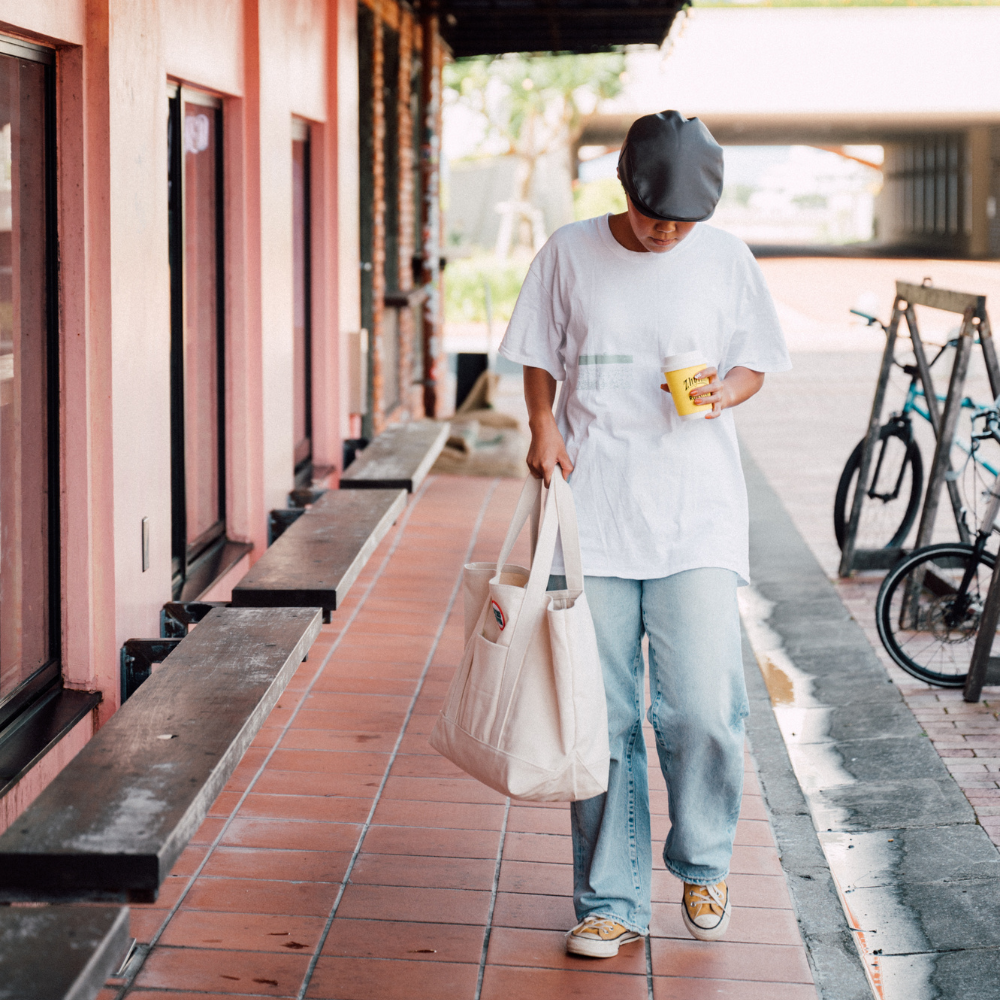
x: 975, y: 322
x: 984, y: 668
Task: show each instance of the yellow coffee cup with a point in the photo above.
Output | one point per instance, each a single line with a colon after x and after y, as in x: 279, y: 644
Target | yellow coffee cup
x: 679, y: 370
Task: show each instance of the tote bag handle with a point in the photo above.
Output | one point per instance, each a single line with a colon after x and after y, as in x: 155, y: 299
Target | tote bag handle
x: 560, y: 518
x: 529, y: 508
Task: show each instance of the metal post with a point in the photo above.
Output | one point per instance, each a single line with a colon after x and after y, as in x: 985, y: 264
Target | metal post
x: 930, y: 396
x: 924, y: 368
x: 946, y: 434
x: 984, y: 640
x: 980, y: 663
x: 871, y: 441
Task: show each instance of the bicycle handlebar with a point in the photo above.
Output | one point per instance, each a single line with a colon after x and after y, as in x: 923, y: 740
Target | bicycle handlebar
x: 872, y: 320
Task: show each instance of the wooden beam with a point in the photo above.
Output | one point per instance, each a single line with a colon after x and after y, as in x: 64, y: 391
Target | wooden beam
x: 941, y: 298
x: 318, y: 558
x: 116, y: 818
x: 60, y: 952
x: 399, y: 458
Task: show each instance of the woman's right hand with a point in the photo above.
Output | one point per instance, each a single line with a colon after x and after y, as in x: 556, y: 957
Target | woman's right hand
x: 547, y: 451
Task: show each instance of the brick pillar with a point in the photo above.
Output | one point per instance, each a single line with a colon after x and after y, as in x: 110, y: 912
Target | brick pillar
x: 430, y: 178
x: 378, y: 253
x: 407, y: 218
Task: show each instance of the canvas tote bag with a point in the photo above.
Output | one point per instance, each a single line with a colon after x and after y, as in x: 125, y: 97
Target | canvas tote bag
x: 477, y: 575
x: 526, y: 711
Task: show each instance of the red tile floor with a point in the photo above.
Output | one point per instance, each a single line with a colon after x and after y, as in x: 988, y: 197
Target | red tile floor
x: 346, y: 860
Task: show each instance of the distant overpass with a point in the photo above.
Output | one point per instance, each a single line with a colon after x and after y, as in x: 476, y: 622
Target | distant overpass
x: 921, y: 81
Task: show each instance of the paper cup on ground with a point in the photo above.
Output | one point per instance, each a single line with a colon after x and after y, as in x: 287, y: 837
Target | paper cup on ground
x: 679, y: 370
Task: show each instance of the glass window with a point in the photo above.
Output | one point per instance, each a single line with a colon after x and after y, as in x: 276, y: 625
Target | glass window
x: 389, y: 334
x: 302, y: 340
x: 366, y: 193
x: 196, y: 328
x: 29, y: 621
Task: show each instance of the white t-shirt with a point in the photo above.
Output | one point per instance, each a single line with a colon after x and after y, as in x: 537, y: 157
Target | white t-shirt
x: 655, y: 495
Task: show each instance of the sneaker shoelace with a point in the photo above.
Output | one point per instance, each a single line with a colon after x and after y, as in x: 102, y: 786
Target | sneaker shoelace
x: 706, y: 895
x: 598, y: 925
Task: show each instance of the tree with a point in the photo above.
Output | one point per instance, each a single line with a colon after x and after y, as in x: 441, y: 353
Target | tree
x: 532, y: 105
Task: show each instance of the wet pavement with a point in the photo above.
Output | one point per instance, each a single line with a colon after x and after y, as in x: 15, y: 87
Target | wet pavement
x: 918, y: 878
x: 899, y: 777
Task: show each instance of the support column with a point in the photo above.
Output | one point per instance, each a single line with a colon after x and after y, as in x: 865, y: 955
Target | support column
x: 376, y: 405
x: 977, y: 153
x: 430, y: 178
x: 407, y: 215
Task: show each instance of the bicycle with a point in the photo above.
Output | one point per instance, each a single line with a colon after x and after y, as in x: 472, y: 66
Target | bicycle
x: 898, y: 477
x: 929, y: 605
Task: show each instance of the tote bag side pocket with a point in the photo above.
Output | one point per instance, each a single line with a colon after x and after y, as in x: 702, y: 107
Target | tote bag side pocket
x: 477, y: 575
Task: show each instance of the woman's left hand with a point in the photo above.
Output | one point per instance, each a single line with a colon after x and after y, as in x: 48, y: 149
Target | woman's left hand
x: 738, y: 385
x: 715, y: 392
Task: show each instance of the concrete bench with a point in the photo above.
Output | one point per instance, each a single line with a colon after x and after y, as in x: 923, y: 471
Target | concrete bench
x: 319, y: 556
x: 116, y: 818
x: 60, y: 952
x: 400, y: 457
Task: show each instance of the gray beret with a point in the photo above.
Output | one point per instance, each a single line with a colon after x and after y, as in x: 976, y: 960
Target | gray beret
x: 671, y: 167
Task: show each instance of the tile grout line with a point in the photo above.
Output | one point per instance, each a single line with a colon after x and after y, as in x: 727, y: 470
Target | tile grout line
x: 404, y: 521
x: 328, y: 926
x: 493, y: 901
x: 647, y: 944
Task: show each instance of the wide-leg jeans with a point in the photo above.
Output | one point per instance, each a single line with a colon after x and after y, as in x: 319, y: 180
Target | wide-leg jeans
x: 698, y: 704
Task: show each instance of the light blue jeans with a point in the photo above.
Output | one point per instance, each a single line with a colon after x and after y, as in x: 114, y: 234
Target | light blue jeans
x: 698, y: 706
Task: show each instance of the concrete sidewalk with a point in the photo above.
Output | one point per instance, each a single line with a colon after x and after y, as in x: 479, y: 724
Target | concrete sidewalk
x: 900, y: 778
x: 348, y: 861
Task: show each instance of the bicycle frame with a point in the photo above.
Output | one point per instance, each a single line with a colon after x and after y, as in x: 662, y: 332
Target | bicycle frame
x: 911, y: 406
x: 960, y: 605
x: 974, y: 329
x: 902, y: 418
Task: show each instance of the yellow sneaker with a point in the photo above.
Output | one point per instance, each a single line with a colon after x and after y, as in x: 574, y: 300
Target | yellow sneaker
x: 598, y: 937
x: 706, y: 910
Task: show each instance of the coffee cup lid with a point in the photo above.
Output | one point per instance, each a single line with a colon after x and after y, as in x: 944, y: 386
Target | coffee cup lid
x: 685, y: 360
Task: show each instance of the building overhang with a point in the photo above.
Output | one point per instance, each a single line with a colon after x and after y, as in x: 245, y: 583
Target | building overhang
x: 799, y: 129
x: 492, y: 27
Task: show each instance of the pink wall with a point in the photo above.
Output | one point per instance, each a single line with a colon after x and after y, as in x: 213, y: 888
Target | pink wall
x: 34, y: 782
x: 63, y: 22
x: 87, y: 525
x: 268, y: 59
x: 291, y: 80
x: 305, y: 54
x: 140, y: 312
x: 347, y: 186
x: 203, y: 42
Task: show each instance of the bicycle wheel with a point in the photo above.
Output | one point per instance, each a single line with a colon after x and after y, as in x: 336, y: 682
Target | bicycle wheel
x: 925, y: 621
x: 893, y: 499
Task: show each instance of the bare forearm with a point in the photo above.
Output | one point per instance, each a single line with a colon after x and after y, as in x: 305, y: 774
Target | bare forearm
x: 741, y: 384
x: 547, y: 450
x: 539, y: 395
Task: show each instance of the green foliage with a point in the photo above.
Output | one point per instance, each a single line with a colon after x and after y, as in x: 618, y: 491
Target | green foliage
x: 810, y: 200
x: 597, y: 198
x: 464, y: 281
x: 738, y: 194
x: 515, y: 93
